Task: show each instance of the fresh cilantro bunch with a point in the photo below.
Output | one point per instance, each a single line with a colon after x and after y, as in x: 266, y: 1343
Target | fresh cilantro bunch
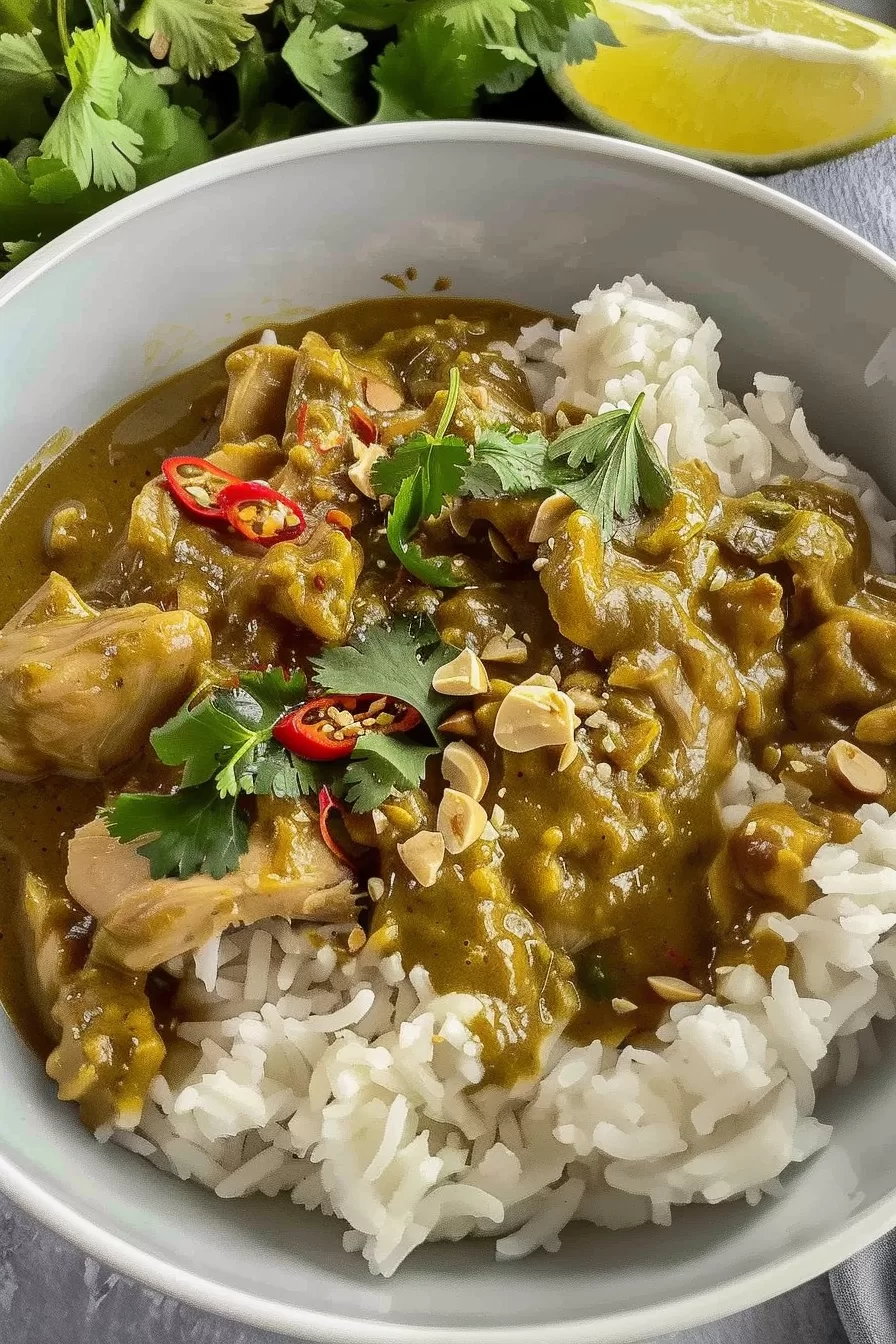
x: 224, y: 744
x: 101, y: 97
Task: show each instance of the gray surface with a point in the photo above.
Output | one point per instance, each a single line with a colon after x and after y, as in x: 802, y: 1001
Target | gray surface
x: 51, y: 1294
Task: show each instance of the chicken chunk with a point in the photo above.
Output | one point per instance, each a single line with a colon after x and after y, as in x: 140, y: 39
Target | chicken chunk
x: 80, y: 689
x: 312, y: 584
x: 260, y: 377
x: 287, y: 871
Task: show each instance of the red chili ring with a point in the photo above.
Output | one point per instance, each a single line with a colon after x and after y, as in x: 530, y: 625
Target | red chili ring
x: 235, y: 501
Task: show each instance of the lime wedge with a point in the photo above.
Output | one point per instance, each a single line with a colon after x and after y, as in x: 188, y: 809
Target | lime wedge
x: 755, y: 85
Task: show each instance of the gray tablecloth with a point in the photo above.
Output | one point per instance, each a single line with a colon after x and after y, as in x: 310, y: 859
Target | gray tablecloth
x: 51, y: 1294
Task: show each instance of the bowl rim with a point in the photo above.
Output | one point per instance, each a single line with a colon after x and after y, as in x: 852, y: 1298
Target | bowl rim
x: 739, y: 1294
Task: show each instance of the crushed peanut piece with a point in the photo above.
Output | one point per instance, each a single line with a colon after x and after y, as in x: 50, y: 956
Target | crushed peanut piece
x: 461, y: 820
x: 464, y: 675
x: 856, y: 771
x: 381, y: 397
x: 422, y: 855
x: 359, y: 472
x: 464, y: 769
x: 504, y: 649
x: 461, y: 724
x: 673, y: 990
x: 376, y: 888
x: 535, y: 714
x: 551, y: 513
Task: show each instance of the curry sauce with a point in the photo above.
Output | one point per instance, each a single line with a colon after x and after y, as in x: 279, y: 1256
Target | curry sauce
x: 713, y: 631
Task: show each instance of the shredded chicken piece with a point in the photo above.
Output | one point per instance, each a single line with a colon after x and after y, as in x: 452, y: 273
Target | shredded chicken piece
x: 80, y: 689
x: 287, y: 871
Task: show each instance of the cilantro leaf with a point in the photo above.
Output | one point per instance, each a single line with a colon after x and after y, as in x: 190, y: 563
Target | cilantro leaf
x: 584, y: 37
x: 398, y: 660
x: 422, y: 473
x: 225, y: 734
x: 195, y: 830
x: 87, y: 135
x: 380, y: 764
x: 203, y: 33
x: 274, y: 770
x: 26, y: 81
x: 274, y: 122
x: 430, y: 72
x: 440, y: 462
x: 480, y: 24
x: 42, y: 198
x: 274, y: 691
x: 546, y: 31
x: 198, y: 738
x: 372, y: 14
x: 506, y: 463
x: 173, y: 138
x: 324, y: 61
x: 625, y: 467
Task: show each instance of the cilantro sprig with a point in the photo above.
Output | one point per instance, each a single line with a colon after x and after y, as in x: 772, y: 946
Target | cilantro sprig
x: 613, y: 466
x: 608, y: 465
x: 224, y: 745
x: 223, y: 742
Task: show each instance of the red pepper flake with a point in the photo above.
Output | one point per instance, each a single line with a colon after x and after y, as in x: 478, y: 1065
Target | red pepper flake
x: 339, y: 518
x: 319, y: 582
x: 363, y: 425
x: 301, y: 421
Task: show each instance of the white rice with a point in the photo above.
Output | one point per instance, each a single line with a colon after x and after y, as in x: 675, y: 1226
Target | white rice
x: 350, y: 1086
x: 632, y: 338
x: 356, y: 1099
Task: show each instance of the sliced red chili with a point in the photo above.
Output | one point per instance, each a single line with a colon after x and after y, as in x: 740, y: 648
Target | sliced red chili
x: 327, y: 728
x: 363, y: 425
x: 333, y: 830
x: 262, y: 514
x: 339, y: 518
x: 197, y: 484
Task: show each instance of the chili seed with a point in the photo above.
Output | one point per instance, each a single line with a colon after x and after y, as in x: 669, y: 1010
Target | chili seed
x: 378, y: 705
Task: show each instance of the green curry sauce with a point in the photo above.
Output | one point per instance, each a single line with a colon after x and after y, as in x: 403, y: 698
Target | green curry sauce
x: 715, y: 629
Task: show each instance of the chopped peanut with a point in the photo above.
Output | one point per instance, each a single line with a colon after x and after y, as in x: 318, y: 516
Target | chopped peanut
x: 464, y: 769
x: 464, y: 675
x: 422, y: 855
x: 461, y: 820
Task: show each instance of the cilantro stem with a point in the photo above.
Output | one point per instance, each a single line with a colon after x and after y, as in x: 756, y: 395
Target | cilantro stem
x: 62, y: 25
x: 450, y: 403
x: 229, y: 767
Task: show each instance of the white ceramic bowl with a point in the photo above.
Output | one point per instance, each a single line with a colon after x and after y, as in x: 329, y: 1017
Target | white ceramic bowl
x: 159, y: 281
